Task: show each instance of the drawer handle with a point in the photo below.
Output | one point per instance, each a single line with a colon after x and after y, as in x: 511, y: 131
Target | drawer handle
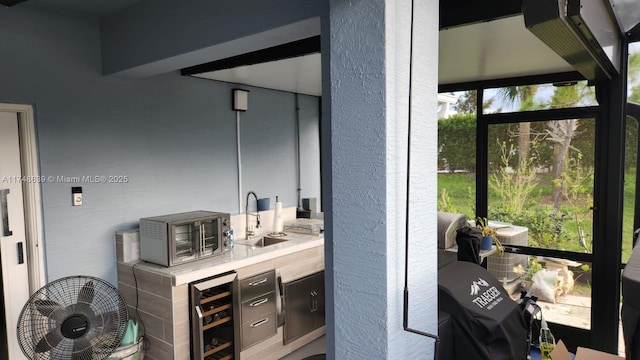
x: 261, y: 322
x: 258, y: 282
x: 259, y: 302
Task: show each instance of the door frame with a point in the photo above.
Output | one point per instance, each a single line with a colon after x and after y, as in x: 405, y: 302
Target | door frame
x: 31, y: 193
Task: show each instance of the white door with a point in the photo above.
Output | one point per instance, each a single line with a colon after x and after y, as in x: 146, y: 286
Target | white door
x: 13, y: 245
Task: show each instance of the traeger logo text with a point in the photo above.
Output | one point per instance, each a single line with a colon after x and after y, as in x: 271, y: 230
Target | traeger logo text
x: 489, y: 298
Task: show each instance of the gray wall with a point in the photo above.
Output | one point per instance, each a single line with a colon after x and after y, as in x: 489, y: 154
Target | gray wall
x: 309, y: 148
x: 172, y: 136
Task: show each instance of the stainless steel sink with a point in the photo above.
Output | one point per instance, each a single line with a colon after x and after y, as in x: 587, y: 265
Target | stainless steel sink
x: 267, y: 241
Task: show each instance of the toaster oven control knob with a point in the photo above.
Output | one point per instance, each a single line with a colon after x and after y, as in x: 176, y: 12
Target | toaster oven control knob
x: 225, y: 223
x: 226, y: 233
x: 226, y: 243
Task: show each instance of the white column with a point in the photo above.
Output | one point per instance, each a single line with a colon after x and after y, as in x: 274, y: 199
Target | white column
x: 365, y: 53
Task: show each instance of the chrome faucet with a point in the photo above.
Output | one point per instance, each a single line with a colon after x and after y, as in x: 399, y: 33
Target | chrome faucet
x: 249, y: 229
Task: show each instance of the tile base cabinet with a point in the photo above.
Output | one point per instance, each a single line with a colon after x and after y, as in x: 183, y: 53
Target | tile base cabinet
x: 260, y: 326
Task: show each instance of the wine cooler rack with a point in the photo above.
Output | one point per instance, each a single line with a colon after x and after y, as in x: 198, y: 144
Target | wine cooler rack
x: 214, y: 335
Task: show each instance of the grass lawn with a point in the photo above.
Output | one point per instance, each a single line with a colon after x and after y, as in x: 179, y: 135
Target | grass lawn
x: 461, y: 193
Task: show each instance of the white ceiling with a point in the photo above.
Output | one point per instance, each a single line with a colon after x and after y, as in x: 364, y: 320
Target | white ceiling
x: 492, y: 50
x: 300, y: 75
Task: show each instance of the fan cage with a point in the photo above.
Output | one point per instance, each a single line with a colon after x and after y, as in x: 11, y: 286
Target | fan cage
x: 93, y: 299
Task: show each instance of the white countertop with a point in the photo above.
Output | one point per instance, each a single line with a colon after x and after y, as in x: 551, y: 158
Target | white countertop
x: 242, y: 255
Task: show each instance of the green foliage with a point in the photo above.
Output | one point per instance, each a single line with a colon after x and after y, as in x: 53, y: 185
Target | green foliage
x: 634, y: 67
x: 513, y: 186
x: 565, y: 96
x: 459, y: 191
x: 634, y: 95
x: 631, y: 143
x: 444, y: 202
x: 546, y: 229
x: 578, y: 184
x: 583, y: 139
x: 533, y: 267
x: 572, y: 95
x: 525, y: 95
x: 457, y: 142
x: 628, y: 212
x: 467, y: 102
x: 585, y: 267
x: 540, y: 154
x: 632, y: 124
x: 500, y: 134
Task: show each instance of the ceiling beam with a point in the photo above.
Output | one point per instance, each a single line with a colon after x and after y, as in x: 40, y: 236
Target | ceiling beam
x: 293, y: 49
x: 155, y: 37
x: 455, y: 13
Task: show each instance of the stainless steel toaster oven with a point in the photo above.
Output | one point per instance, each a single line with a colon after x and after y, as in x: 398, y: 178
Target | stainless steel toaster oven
x: 178, y: 238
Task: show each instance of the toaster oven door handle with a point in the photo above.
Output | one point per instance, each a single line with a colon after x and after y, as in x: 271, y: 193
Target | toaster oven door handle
x: 202, y: 236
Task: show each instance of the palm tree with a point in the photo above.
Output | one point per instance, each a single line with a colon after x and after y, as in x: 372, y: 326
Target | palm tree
x: 525, y: 95
x: 561, y: 132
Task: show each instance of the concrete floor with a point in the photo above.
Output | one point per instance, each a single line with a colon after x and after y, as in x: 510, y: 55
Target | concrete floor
x: 317, y: 346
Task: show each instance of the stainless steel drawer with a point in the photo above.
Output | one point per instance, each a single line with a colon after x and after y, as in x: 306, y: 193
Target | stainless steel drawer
x: 263, y: 304
x: 257, y: 285
x: 258, y: 329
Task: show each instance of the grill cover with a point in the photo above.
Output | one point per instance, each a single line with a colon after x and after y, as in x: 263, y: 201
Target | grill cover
x: 486, y: 323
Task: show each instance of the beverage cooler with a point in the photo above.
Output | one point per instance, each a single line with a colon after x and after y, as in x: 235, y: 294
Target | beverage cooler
x: 214, y: 324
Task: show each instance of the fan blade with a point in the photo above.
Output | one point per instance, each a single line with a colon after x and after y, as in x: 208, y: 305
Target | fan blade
x: 82, y: 349
x: 84, y: 309
x: 86, y: 293
x: 110, y: 321
x: 49, y: 341
x: 46, y: 307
